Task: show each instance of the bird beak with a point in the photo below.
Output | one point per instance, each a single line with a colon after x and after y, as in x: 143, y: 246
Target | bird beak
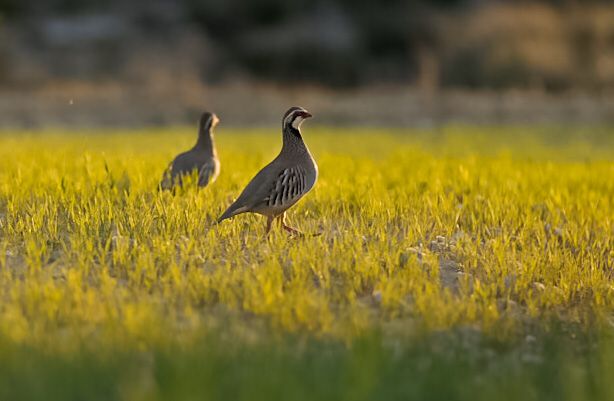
x: 306, y: 114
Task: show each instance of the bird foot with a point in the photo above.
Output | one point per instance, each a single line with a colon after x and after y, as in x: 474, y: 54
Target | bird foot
x: 293, y: 231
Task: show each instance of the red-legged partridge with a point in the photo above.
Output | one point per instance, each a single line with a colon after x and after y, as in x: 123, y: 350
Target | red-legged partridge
x: 202, y: 157
x: 284, y: 181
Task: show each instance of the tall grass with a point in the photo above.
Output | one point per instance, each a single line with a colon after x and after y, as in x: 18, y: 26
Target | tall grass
x: 498, y: 231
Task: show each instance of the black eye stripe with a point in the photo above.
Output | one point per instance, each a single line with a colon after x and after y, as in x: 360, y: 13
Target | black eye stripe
x: 293, y: 115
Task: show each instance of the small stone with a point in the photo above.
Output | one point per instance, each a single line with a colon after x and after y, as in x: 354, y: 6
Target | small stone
x: 439, y: 245
x: 538, y: 286
x: 416, y: 250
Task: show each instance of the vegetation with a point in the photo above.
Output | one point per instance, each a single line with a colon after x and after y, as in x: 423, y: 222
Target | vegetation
x: 429, y: 44
x: 456, y: 263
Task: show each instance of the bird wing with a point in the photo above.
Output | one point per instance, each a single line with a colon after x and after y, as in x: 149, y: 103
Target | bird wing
x: 290, y: 185
x: 206, y: 174
x: 181, y: 165
x: 273, y: 186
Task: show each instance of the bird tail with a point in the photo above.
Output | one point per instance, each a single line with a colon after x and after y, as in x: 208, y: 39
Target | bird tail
x: 167, y: 180
x: 230, y: 212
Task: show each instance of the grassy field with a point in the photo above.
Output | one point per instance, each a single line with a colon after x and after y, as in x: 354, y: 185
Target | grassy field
x: 459, y: 263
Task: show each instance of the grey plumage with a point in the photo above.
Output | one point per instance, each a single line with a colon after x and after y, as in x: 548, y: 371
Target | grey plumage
x: 201, y: 158
x: 285, y: 180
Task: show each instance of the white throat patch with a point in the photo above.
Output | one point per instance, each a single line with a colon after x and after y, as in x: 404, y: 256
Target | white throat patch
x: 296, y: 124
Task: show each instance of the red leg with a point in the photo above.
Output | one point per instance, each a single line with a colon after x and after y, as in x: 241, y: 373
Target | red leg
x: 289, y: 229
x: 269, y: 223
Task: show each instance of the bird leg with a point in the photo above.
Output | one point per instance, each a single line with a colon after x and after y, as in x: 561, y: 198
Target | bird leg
x: 269, y: 223
x: 291, y: 230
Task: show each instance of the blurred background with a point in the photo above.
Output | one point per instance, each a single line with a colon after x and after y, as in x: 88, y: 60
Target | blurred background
x: 373, y: 63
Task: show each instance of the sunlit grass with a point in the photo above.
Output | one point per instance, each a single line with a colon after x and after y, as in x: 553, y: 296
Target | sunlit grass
x: 421, y: 231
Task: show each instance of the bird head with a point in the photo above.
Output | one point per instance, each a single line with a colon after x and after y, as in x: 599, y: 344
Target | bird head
x: 295, y: 116
x: 208, y: 121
